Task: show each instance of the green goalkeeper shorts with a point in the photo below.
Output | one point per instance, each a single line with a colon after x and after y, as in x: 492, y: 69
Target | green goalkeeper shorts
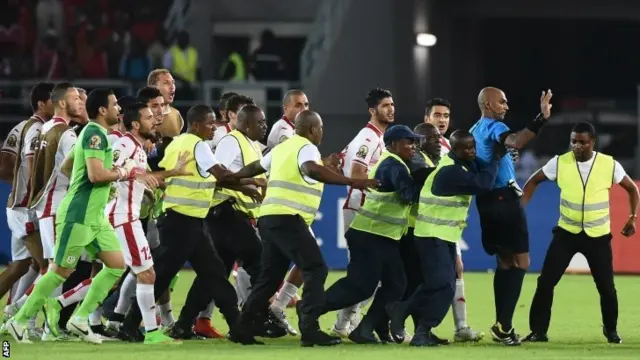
x: 72, y: 239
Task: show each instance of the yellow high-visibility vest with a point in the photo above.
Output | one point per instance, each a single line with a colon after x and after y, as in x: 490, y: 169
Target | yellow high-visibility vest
x: 237, y: 61
x: 288, y: 193
x: 442, y: 217
x: 585, y: 207
x: 250, y: 153
x: 414, y: 208
x: 383, y: 213
x: 185, y: 64
x: 189, y: 195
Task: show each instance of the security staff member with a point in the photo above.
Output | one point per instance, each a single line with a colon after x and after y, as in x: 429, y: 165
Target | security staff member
x: 233, y: 210
x: 583, y: 227
x: 183, y: 236
x: 502, y: 219
x: 295, y: 185
x: 442, y: 217
x: 423, y: 163
x: 374, y: 234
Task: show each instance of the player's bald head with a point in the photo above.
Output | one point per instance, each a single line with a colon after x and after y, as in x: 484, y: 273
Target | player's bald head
x: 425, y: 129
x: 306, y: 120
x: 489, y: 94
x: 289, y: 95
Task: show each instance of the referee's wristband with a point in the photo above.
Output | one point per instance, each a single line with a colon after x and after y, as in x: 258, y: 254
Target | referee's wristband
x: 536, y: 124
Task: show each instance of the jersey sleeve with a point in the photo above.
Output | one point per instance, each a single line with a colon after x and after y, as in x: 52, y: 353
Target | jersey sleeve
x: 67, y: 141
x: 497, y: 129
x: 10, y: 144
x: 94, y: 144
x: 618, y: 173
x: 30, y: 144
x: 227, y: 150
x: 122, y: 150
x: 364, y: 146
x: 204, y: 157
x: 550, y: 169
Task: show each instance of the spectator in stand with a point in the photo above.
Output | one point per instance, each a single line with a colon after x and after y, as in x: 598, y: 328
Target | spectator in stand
x: 48, y: 62
x: 158, y: 48
x: 135, y: 65
x: 118, y: 43
x: 49, y: 15
x: 266, y: 62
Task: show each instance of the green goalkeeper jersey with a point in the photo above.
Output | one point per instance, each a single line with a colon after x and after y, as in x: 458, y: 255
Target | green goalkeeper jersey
x: 85, y: 202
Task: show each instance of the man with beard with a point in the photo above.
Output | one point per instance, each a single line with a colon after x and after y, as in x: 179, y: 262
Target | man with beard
x: 358, y: 157
x: 81, y: 224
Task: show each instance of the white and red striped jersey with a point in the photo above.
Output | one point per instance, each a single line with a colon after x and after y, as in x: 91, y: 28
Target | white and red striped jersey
x: 446, y: 147
x: 126, y: 207
x: 280, y: 131
x: 26, y: 150
x: 113, y: 136
x: 221, y: 131
x: 58, y: 183
x: 365, y: 149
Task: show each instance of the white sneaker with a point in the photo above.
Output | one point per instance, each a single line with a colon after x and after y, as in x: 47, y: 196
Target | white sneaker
x: 80, y: 327
x: 283, y: 322
x: 10, y: 311
x: 467, y: 334
x: 113, y: 325
x: 35, y: 333
x: 18, y: 331
x: 407, y: 336
x: 343, y: 333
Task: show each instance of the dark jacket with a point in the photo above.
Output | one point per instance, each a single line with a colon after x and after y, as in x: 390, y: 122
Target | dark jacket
x: 464, y: 178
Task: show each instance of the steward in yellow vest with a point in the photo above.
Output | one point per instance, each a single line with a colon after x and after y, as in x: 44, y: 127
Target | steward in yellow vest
x: 374, y: 235
x: 296, y: 182
x: 184, y: 59
x: 184, y: 236
x: 584, y: 178
x: 441, y: 219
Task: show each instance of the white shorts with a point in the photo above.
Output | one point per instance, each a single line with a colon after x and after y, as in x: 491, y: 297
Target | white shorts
x: 48, y: 236
x: 20, y: 221
x: 137, y: 254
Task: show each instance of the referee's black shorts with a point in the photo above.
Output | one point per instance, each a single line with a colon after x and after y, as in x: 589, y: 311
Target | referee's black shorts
x: 502, y: 222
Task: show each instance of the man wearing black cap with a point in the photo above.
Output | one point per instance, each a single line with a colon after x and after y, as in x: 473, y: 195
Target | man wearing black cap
x: 374, y: 236
x: 441, y: 218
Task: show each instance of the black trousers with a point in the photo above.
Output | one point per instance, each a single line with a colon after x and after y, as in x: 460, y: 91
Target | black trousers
x: 373, y: 259
x: 185, y: 238
x: 286, y: 239
x: 235, y: 238
x: 564, y: 246
x: 411, y: 261
x: 432, y: 299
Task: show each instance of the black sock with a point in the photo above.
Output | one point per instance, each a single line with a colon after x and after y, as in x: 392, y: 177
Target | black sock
x: 499, y: 286
x: 514, y: 278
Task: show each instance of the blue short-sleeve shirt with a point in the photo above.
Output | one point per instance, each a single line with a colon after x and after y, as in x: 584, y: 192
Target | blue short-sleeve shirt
x: 487, y: 132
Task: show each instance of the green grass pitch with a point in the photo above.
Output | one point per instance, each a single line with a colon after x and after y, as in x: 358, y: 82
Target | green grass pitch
x: 575, y: 332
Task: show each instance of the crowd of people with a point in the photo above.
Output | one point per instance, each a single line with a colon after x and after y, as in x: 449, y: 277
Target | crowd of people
x: 111, y: 197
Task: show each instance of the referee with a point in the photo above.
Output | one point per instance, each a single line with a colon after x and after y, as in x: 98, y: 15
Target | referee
x: 584, y: 177
x: 295, y: 185
x: 502, y: 219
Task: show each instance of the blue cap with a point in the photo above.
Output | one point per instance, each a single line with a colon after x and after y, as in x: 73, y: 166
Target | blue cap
x: 399, y: 132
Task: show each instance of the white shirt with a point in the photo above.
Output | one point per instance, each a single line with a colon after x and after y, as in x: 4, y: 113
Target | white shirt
x: 126, y: 207
x: 550, y: 170
x: 58, y: 184
x: 446, y: 146
x: 308, y: 152
x: 221, y: 131
x: 26, y: 150
x: 12, y: 142
x: 282, y: 130
x: 113, y: 136
x: 365, y: 149
x: 204, y: 158
x: 229, y: 154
